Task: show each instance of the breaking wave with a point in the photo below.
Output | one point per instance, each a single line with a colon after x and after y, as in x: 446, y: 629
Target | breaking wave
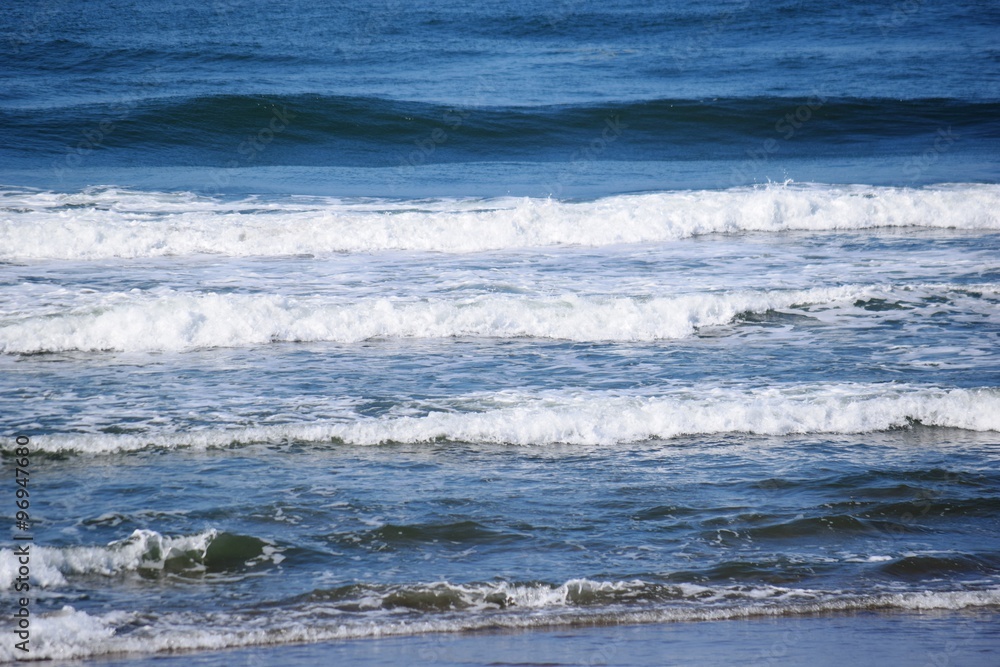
x: 70, y: 633
x: 601, y: 418
x: 176, y: 321
x: 113, y: 223
x: 143, y: 551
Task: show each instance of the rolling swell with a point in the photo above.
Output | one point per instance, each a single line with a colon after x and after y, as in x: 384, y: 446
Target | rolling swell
x: 393, y: 536
x: 926, y: 566
x: 331, y: 130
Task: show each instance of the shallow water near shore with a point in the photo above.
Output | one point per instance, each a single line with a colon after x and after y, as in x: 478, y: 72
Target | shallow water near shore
x: 865, y: 638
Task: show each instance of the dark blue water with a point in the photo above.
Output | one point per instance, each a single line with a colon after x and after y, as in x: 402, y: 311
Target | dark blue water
x: 331, y: 322
x: 201, y: 96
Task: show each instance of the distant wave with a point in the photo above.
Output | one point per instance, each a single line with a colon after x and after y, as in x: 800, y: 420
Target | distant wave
x: 108, y: 223
x: 601, y: 418
x: 69, y: 633
x: 313, y: 129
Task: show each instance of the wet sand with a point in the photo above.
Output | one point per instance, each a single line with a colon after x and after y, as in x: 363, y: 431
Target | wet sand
x: 868, y: 638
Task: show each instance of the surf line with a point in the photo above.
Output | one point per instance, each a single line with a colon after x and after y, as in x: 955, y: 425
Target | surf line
x: 786, y: 126
x: 254, y: 145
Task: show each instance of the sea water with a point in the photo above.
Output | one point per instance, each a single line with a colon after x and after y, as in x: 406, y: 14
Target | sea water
x: 330, y: 322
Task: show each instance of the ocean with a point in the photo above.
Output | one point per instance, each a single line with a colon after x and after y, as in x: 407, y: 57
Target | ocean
x: 517, y: 333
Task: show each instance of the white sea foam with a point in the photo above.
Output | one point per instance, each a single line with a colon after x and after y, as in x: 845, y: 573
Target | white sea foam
x: 142, y: 550
x: 603, y: 418
x: 70, y: 633
x: 170, y: 320
x: 140, y: 321
x: 110, y: 223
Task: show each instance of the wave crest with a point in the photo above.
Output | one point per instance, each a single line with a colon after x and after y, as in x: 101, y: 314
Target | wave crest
x: 596, y: 418
x: 144, y: 550
x: 177, y: 321
x: 109, y: 223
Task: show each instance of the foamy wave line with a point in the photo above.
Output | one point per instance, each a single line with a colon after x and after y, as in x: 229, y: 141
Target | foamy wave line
x: 177, y: 321
x: 142, y: 550
x: 69, y: 633
x: 594, y: 418
x: 541, y: 596
x: 98, y: 224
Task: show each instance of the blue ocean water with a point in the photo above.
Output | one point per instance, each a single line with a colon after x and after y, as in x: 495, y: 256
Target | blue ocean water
x: 332, y: 323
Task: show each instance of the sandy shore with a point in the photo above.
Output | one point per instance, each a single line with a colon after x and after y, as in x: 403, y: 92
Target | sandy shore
x: 869, y: 638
